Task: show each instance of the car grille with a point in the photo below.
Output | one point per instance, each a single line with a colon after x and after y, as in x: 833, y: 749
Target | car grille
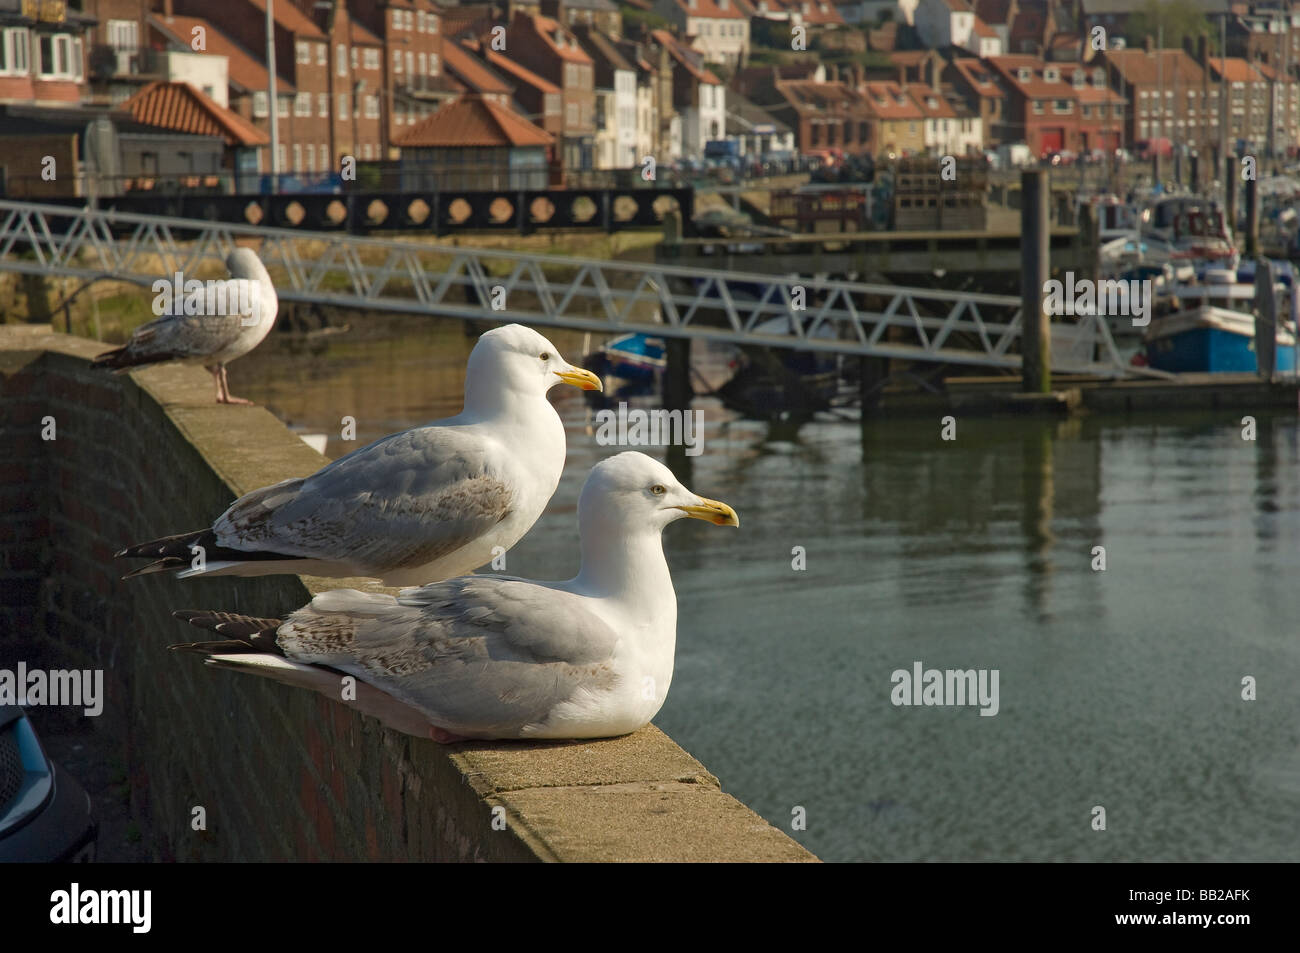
x: 11, y: 766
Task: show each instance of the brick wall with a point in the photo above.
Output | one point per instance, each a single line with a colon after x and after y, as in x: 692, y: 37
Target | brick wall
x: 282, y: 774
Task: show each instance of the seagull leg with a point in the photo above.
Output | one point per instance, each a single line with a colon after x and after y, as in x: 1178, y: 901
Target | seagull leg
x: 225, y: 386
x: 444, y: 737
x: 216, y: 376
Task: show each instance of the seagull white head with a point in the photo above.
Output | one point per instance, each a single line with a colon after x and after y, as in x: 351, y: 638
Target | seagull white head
x: 517, y: 359
x: 244, y: 263
x: 635, y: 491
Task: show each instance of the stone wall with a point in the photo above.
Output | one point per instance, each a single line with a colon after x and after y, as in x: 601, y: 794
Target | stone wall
x: 282, y: 773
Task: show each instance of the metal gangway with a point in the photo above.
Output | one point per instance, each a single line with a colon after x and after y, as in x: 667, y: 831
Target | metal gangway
x: 611, y: 297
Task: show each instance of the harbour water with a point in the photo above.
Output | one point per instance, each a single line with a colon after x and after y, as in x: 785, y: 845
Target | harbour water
x: 1120, y: 689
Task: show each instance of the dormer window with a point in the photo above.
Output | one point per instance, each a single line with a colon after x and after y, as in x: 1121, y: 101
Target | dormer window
x: 1052, y: 75
x: 723, y: 4
x: 1099, y: 77
x: 1078, y: 79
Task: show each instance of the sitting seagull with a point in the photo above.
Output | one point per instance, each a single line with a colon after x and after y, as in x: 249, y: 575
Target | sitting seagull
x: 204, y: 330
x: 416, y: 506
x: 495, y: 656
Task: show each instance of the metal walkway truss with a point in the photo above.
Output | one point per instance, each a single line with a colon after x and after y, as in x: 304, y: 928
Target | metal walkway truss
x: 417, y: 276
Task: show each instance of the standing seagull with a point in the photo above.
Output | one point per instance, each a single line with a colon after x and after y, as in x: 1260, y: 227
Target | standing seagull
x: 416, y: 506
x: 495, y: 656
x: 203, y: 330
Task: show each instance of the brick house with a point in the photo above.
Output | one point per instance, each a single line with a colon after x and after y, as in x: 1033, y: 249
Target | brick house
x: 301, y: 58
x: 719, y: 29
x: 1060, y: 106
x: 413, y: 83
x: 551, y: 50
x: 699, y: 97
x: 1189, y: 113
x: 982, y: 89
x: 43, y: 52
x: 1248, y: 103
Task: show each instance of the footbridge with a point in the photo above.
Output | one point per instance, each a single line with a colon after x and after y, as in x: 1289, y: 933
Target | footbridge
x: 416, y: 274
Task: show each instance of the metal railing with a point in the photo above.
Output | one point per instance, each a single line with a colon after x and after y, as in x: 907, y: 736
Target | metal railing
x: 329, y: 268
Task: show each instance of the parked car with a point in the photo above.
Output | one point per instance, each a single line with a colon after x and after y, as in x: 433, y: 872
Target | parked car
x: 45, y: 815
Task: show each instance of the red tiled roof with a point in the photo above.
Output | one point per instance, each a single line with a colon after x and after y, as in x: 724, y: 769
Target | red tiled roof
x: 473, y: 122
x: 883, y: 97
x: 357, y: 33
x: 291, y: 18
x: 521, y: 73
x: 1140, y: 68
x: 669, y: 42
x: 1238, y: 70
x: 1037, y: 86
x: 709, y: 10
x: 929, y: 102
x: 983, y: 29
x: 981, y: 78
x: 467, y: 67
x: 243, y: 70
x: 182, y: 108
x: 547, y: 28
x: 817, y: 12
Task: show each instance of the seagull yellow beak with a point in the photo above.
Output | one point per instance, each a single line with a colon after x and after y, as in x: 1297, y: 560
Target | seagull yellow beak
x: 580, y: 377
x: 720, y: 514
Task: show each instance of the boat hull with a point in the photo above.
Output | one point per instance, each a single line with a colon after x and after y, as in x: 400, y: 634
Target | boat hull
x: 1210, y: 340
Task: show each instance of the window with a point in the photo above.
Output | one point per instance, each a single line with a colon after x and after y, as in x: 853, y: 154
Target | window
x: 323, y: 105
x: 324, y: 151
x: 259, y: 104
x: 341, y: 60
x: 55, y: 56
x: 303, y: 50
x: 302, y: 104
x: 571, y: 114
x: 432, y: 22
x: 1051, y: 75
x: 410, y: 20
x: 297, y: 157
x: 372, y: 107
x: 14, y: 44
x: 419, y: 21
x: 282, y: 107
x: 354, y: 57
x: 433, y: 64
x: 77, y: 55
x: 281, y: 156
x: 343, y: 106
x: 322, y: 55
x: 1038, y: 107
x: 410, y: 63
x: 371, y: 59
x: 311, y: 159
x: 397, y: 19
x: 1087, y: 112
x: 397, y: 56
x: 424, y: 64
x: 1062, y: 106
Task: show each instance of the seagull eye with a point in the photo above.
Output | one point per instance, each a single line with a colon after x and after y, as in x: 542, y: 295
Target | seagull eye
x: 545, y: 355
x: 658, y: 489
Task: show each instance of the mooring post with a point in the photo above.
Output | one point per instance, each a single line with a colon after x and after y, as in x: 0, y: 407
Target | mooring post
x: 1035, y: 258
x: 677, y: 374
x: 1252, y: 217
x: 1155, y: 167
x: 1230, y: 191
x: 872, y: 374
x: 1194, y: 170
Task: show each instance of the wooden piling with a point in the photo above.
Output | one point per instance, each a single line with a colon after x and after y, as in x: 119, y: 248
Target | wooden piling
x: 1035, y: 233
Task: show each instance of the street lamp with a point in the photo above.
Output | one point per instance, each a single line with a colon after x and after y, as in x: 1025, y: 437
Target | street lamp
x: 274, y: 111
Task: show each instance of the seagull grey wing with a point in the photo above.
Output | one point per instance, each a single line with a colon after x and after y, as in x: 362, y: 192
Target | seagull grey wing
x: 186, y: 336
x: 401, y: 502
x: 481, y: 656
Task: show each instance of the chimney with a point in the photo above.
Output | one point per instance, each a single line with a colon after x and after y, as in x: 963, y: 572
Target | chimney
x: 167, y: 9
x: 934, y: 74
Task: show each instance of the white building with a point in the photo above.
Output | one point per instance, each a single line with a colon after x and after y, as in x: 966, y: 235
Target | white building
x: 720, y: 31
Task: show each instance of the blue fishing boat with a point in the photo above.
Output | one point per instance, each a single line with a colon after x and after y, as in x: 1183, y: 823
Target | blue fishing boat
x: 1215, y: 337
x: 635, y: 357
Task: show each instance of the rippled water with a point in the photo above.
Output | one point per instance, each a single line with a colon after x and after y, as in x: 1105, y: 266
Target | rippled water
x: 1120, y: 689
